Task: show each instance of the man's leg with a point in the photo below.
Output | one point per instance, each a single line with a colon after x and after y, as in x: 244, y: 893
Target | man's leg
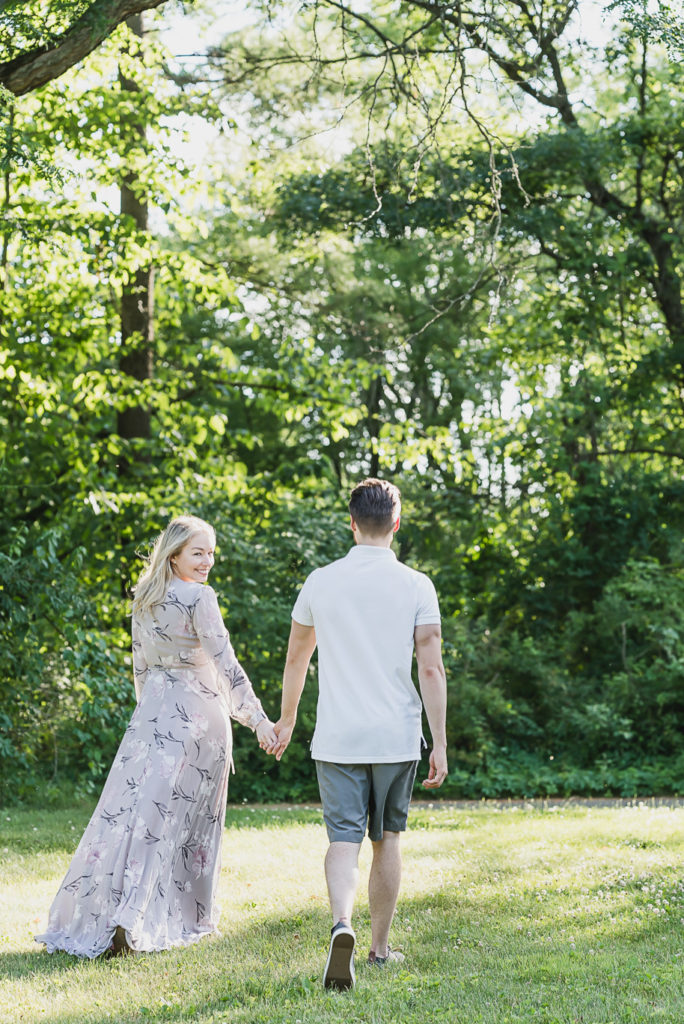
x: 342, y: 877
x: 344, y: 794
x: 388, y: 810
x: 383, y: 889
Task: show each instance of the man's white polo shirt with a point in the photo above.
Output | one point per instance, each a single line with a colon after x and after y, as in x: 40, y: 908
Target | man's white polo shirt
x: 364, y: 608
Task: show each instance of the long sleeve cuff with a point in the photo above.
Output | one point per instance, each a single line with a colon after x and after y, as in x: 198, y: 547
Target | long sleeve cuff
x: 257, y: 717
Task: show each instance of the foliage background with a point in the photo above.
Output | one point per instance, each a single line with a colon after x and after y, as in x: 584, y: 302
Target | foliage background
x: 449, y: 301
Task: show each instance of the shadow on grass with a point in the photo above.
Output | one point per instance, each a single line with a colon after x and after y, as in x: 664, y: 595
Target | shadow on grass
x: 250, y: 967
x: 471, y: 955
x: 36, y: 962
x: 252, y: 945
x: 463, y: 952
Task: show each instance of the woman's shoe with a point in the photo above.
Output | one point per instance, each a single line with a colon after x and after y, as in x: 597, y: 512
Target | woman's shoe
x: 119, y: 944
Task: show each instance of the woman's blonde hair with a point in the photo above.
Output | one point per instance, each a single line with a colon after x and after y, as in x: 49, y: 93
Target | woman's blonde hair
x: 156, y: 577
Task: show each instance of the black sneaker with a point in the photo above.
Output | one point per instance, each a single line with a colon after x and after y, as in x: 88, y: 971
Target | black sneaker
x: 393, y: 957
x: 339, y: 968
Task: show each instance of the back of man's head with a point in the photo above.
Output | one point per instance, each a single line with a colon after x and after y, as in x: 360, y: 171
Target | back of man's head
x: 375, y: 506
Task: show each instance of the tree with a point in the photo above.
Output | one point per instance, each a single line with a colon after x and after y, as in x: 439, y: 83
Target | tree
x: 425, y: 56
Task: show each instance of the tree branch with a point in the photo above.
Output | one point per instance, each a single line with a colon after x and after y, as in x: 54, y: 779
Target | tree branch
x: 37, y: 67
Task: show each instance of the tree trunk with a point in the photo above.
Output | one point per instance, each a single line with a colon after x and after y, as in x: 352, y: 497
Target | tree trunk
x: 137, y: 299
x: 373, y: 401
x: 6, y: 200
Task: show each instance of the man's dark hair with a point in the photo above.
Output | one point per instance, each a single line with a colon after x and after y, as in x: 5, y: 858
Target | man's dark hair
x: 375, y: 506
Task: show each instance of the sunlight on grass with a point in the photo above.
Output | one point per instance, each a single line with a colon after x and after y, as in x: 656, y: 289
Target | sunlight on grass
x: 561, y: 916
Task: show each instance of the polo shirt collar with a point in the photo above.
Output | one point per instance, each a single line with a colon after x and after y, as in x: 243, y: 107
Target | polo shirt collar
x: 370, y: 550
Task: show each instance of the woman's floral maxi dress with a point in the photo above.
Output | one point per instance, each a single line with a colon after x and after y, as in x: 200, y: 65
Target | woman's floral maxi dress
x: 149, y: 859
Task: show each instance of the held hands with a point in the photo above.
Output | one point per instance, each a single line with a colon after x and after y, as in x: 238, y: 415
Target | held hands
x: 283, y: 732
x: 274, y: 739
x: 266, y: 735
x: 438, y: 769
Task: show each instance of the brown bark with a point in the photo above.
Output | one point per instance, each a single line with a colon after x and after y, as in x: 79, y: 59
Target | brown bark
x: 137, y: 299
x: 30, y: 70
x: 7, y: 190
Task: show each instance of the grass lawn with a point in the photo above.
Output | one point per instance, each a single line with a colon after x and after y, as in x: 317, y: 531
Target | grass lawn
x: 569, y: 915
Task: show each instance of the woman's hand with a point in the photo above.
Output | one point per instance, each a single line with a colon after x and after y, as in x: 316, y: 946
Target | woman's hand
x: 283, y: 732
x: 266, y: 735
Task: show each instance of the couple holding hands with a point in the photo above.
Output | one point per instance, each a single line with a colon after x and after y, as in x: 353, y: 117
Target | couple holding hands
x: 145, y: 873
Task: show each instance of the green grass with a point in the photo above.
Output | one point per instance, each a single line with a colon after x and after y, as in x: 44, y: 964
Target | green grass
x: 569, y: 915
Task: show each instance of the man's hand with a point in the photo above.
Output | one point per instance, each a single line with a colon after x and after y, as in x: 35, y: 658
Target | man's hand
x: 301, y: 646
x: 432, y: 680
x: 283, y: 731
x: 438, y: 768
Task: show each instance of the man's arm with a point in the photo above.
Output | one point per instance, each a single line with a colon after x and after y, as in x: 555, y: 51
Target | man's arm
x: 301, y: 646
x: 432, y: 680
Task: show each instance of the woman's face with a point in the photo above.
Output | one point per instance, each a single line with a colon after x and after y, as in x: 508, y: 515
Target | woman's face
x: 194, y: 561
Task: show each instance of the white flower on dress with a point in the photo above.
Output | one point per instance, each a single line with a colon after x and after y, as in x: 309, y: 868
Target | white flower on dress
x: 140, y: 828
x: 96, y: 851
x: 200, y: 862
x: 170, y: 823
x: 99, y: 903
x: 159, y: 684
x: 198, y: 724
x: 98, y: 873
x: 136, y: 750
x: 134, y: 870
x: 167, y: 766
x: 218, y: 748
x: 115, y: 825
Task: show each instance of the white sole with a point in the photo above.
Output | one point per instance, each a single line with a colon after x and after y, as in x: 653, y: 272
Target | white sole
x: 339, y: 967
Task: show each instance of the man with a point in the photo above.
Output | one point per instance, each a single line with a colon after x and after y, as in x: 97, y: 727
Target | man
x: 366, y: 612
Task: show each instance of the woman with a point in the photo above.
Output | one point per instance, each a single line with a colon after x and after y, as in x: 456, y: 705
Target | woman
x: 145, y: 873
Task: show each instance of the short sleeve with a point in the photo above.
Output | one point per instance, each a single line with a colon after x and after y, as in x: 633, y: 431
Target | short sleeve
x: 302, y: 612
x: 427, y: 609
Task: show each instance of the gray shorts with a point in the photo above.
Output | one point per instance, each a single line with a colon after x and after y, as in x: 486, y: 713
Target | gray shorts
x: 356, y: 795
